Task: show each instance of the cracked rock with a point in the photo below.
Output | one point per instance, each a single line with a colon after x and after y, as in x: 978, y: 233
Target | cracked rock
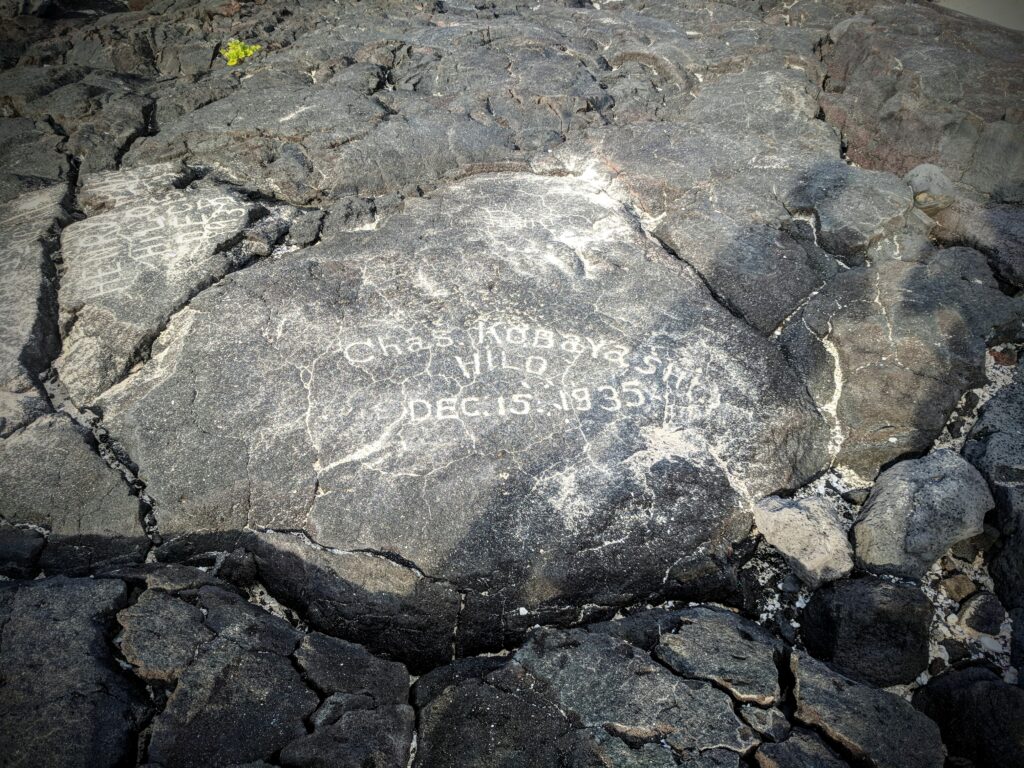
x: 915, y: 327
x: 720, y: 647
x: 874, y: 726
x: 917, y: 510
x: 63, y: 700
x: 573, y: 698
x: 51, y: 476
x: 996, y: 447
x: 28, y: 332
x: 522, y: 453
x: 803, y: 749
x: 129, y: 266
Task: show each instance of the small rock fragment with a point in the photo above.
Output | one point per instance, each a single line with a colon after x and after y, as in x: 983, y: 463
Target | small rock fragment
x: 933, y: 191
x: 808, y: 534
x: 983, y: 613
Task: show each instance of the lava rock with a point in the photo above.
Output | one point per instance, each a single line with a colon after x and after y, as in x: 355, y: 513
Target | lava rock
x: 933, y: 191
x: 19, y: 552
x: 483, y: 524
x: 52, y: 476
x: 903, y: 325
x: 981, y: 717
x: 983, y: 613
x: 63, y: 699
x: 162, y: 635
x: 996, y: 447
x: 917, y: 509
x: 870, y: 724
x: 380, y: 737
x: 803, y: 749
x: 732, y: 653
x: 334, y: 665
x: 162, y: 242
x: 958, y: 587
x: 28, y: 335
x: 809, y: 535
x: 869, y: 629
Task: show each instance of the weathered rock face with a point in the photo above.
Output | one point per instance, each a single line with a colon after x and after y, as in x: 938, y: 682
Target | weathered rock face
x: 28, y: 334
x: 890, y: 84
x: 130, y: 266
x: 875, y: 726
x: 52, y: 477
x: 508, y: 386
x: 63, y: 701
x: 996, y: 447
x: 574, y: 698
x: 917, y: 510
x: 892, y: 327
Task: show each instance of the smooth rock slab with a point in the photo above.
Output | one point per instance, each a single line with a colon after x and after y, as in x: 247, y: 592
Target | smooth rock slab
x: 508, y: 386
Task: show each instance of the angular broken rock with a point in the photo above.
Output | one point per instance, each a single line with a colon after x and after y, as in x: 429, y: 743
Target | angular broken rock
x: 996, y: 447
x: 130, y: 266
x: 28, y: 323
x: 574, y: 693
x: 724, y: 649
x: 875, y: 726
x: 508, y: 386
x: 803, y: 749
x: 808, y: 534
x: 51, y: 476
x: 917, y: 510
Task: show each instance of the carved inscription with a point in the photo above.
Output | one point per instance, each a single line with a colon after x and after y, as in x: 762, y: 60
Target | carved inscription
x: 528, y: 370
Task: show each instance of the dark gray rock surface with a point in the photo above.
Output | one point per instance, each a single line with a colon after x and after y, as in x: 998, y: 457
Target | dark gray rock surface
x: 874, y: 726
x: 63, y: 700
x: 869, y: 629
x: 433, y: 329
x: 803, y: 749
x: 996, y: 447
x: 981, y: 717
x: 502, y: 384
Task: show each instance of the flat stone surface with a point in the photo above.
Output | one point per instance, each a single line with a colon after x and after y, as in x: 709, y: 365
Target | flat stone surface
x: 917, y: 510
x: 52, y: 476
x: 808, y: 534
x: 873, y: 725
x: 724, y: 649
x: 515, y: 417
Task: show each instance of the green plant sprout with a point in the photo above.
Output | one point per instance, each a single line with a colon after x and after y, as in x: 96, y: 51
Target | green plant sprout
x: 236, y: 51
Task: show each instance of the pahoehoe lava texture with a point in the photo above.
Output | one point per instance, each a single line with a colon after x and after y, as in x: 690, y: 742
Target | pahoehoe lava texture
x: 471, y: 341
